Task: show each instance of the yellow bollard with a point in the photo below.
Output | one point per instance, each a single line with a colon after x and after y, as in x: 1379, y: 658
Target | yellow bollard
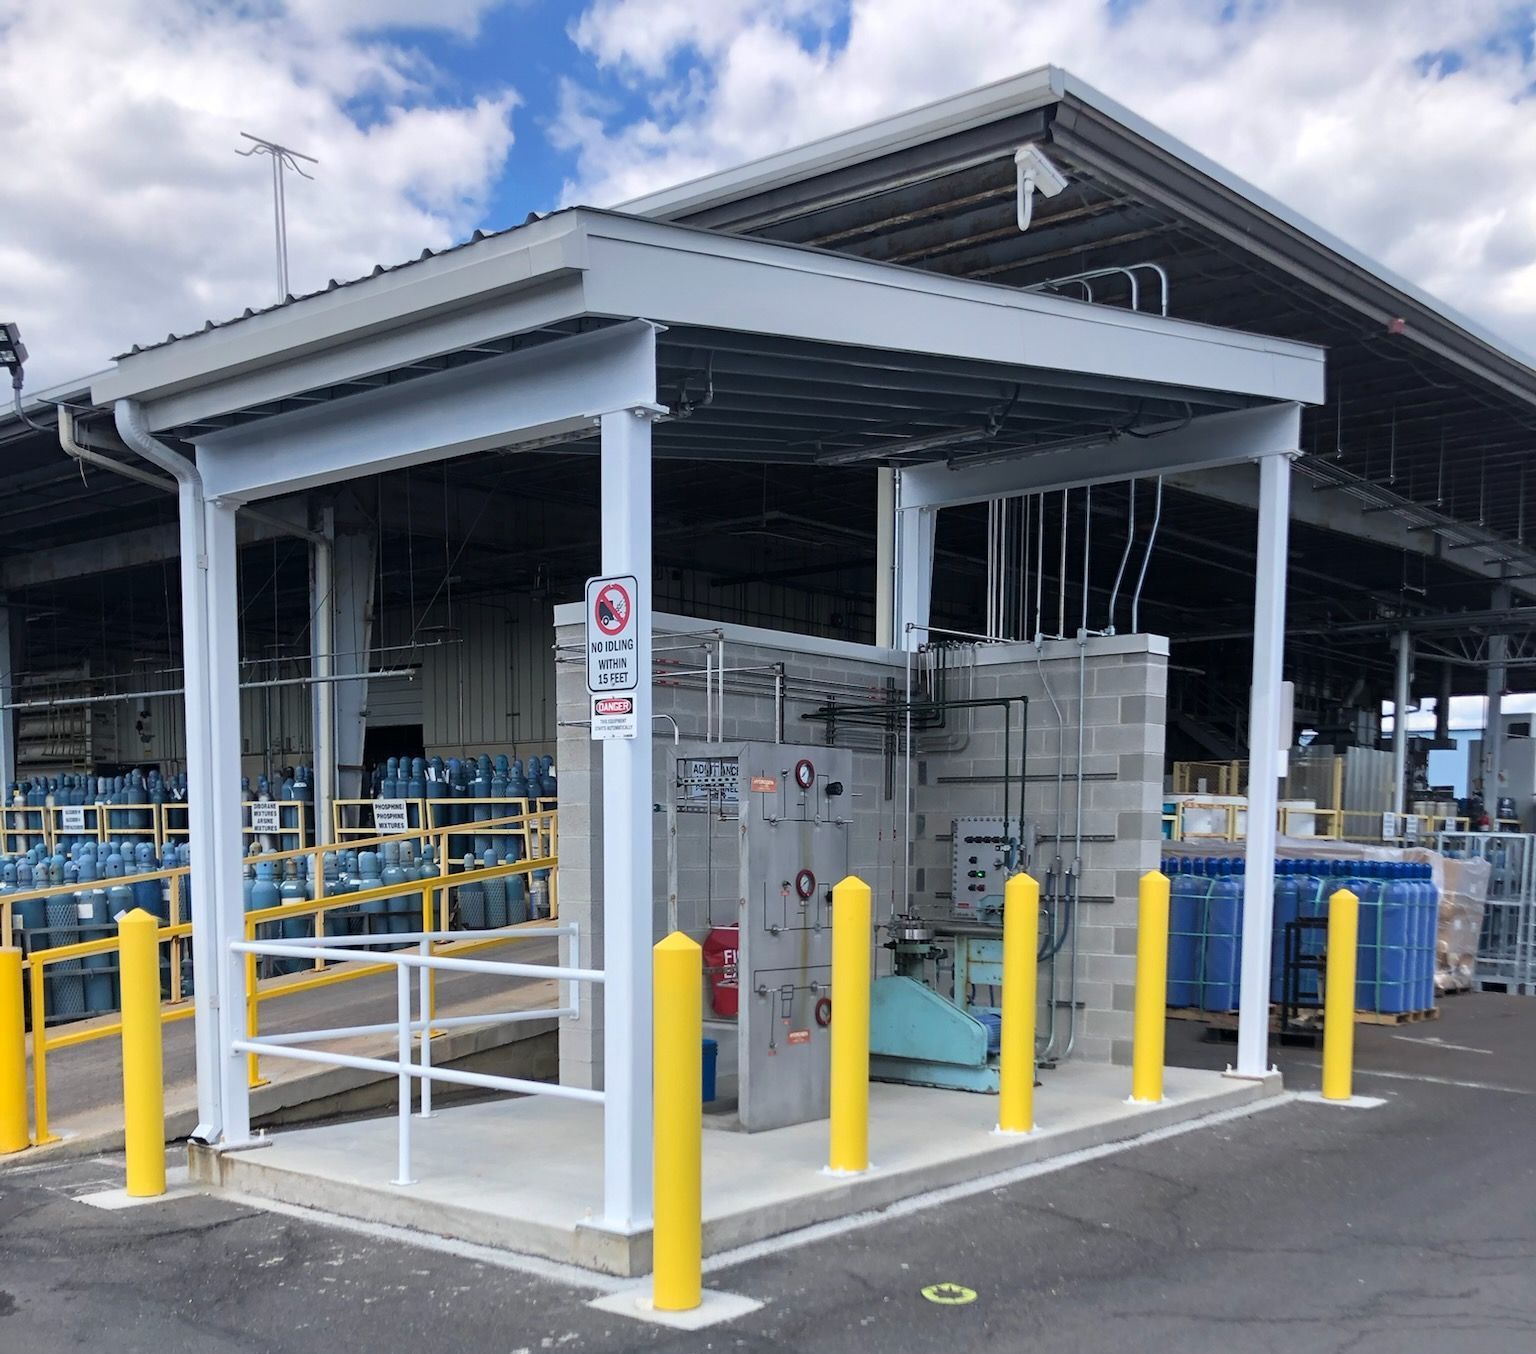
x: 851, y: 941
x: 13, y: 1055
x: 1151, y: 988
x: 143, y: 1072
x: 1016, y: 1052
x: 1339, y: 996
x: 677, y: 1241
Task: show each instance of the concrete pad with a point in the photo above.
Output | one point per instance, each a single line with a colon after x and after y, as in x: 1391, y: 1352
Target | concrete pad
x: 177, y: 1186
x: 715, y: 1308
x: 526, y: 1174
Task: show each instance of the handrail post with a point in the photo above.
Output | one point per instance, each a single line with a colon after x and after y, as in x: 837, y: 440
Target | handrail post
x: 424, y: 1001
x: 13, y: 1055
x: 851, y: 940
x: 143, y: 1056
x: 1016, y: 1047
x: 403, y: 1087
x: 1151, y: 989
x: 1339, y: 996
x: 678, y: 1109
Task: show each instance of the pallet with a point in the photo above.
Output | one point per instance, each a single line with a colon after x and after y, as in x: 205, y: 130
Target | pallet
x: 1311, y: 1017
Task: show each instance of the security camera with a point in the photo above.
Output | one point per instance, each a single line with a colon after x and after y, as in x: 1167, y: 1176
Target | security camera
x: 1034, y: 165
x: 1035, y: 171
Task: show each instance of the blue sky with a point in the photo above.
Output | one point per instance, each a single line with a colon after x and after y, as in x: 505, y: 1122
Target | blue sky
x: 129, y: 216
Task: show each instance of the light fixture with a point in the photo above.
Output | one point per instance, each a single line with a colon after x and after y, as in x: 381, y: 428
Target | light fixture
x: 13, y: 352
x: 1035, y: 171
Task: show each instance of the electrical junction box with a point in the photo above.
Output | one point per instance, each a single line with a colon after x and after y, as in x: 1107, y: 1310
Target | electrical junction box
x: 984, y: 852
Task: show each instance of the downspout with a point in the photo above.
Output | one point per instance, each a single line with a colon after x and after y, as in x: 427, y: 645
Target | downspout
x: 191, y: 517
x: 72, y: 447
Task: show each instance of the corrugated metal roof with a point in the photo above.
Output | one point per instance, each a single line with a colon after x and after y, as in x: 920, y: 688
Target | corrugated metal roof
x: 378, y: 270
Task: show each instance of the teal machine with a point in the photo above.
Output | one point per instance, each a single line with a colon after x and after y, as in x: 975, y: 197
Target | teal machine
x: 935, y: 1020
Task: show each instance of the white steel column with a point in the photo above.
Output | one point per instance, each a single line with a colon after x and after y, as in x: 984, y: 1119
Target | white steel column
x: 1400, y: 723
x: 1266, y: 761
x: 628, y: 903
x: 914, y: 571
x: 1493, y: 721
x: 322, y: 623
x: 885, y: 558
x: 223, y: 905
x: 9, y: 648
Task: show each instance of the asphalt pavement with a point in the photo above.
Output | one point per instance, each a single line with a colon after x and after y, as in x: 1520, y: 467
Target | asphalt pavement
x: 1296, y: 1228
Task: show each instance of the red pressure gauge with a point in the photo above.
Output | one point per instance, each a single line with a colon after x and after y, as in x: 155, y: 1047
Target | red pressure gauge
x: 805, y: 773
x: 805, y: 885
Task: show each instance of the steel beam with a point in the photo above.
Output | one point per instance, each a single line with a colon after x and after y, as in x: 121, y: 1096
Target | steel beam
x: 556, y: 388
x: 1216, y: 440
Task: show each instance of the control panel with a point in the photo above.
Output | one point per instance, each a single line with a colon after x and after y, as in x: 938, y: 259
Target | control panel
x: 984, y: 852
x: 795, y: 818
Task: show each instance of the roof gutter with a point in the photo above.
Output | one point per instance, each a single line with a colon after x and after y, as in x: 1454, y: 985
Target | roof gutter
x: 70, y: 442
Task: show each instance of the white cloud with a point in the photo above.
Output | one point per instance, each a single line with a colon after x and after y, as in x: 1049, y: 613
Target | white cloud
x: 1328, y: 106
x: 127, y: 213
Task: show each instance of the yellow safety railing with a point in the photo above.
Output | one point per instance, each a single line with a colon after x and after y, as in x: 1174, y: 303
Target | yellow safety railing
x: 543, y: 829
x: 430, y: 815
x: 21, y: 825
x: 43, y: 1043
x: 433, y: 910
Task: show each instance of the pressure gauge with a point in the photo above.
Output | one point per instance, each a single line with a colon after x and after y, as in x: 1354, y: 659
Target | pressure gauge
x: 805, y: 885
x: 805, y: 773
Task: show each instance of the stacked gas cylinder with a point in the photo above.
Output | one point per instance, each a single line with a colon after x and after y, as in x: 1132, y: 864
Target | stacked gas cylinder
x: 1395, y: 961
x: 488, y: 903
x: 97, y: 871
x: 292, y: 788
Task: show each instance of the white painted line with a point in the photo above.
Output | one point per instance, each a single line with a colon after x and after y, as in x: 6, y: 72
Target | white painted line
x: 717, y: 1307
x: 1355, y: 1102
x: 933, y: 1198
x: 1438, y: 1081
x: 1434, y: 1042
x: 573, y: 1276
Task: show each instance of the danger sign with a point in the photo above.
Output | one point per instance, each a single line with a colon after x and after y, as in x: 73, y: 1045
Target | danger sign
x: 612, y: 647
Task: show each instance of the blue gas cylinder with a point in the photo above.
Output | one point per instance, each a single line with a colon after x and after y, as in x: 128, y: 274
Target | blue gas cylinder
x: 399, y: 910
x: 1223, y: 944
x: 147, y: 893
x: 96, y: 923
x: 471, y: 900
x: 1186, y: 907
x: 389, y: 786
x: 375, y: 912
x: 416, y: 790
x: 300, y: 927
x: 1286, y: 909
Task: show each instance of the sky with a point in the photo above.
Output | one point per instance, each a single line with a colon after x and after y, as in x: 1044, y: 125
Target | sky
x: 1404, y: 126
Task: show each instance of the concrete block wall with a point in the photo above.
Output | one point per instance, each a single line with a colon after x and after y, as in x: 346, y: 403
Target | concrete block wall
x: 955, y: 774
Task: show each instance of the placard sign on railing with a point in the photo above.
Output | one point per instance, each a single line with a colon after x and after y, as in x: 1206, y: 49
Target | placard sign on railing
x: 72, y: 819
x: 266, y: 816
x: 389, y: 816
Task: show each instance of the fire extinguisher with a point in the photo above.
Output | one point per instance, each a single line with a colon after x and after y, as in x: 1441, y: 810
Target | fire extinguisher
x: 722, y: 950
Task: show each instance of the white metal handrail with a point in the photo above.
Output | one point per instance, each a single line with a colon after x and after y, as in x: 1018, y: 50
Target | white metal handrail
x: 343, y: 949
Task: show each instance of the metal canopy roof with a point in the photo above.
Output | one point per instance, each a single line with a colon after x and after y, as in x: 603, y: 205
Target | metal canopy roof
x: 1428, y: 416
